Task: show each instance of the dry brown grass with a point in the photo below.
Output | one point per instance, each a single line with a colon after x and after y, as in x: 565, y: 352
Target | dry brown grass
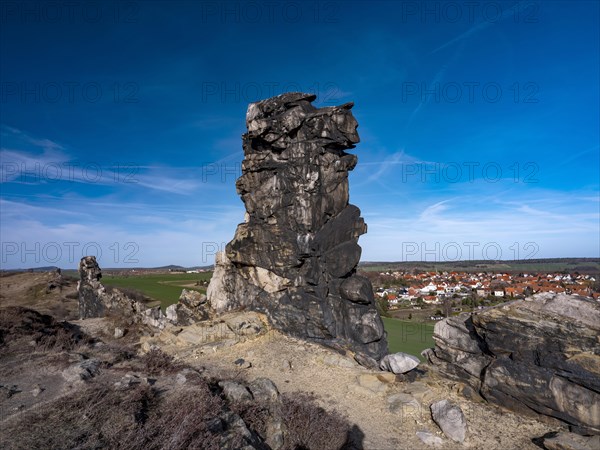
x: 310, y: 427
x: 157, y: 362
x: 102, y: 417
x: 19, y: 325
x: 254, y: 414
x: 163, y: 416
x: 307, y: 425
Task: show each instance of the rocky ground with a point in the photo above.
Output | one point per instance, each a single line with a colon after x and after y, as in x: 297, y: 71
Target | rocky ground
x: 384, y: 410
x: 388, y: 409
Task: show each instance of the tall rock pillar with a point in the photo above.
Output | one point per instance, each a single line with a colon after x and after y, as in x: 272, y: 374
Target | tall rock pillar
x: 295, y: 256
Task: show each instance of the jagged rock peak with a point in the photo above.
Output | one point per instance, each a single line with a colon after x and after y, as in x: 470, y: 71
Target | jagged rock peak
x: 295, y: 256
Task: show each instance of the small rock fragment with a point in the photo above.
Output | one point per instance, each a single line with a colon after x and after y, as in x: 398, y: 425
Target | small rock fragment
x: 242, y: 363
x: 430, y: 439
x: 37, y: 390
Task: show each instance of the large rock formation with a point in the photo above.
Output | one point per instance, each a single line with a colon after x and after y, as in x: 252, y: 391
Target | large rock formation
x: 90, y: 289
x: 295, y: 256
x: 539, y: 355
x: 95, y: 300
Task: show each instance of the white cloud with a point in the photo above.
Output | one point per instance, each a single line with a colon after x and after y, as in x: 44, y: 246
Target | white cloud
x: 34, y: 235
x: 556, y: 227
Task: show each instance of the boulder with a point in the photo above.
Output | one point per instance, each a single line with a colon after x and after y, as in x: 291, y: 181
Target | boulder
x: 81, y: 371
x: 366, y: 361
x: 538, y: 356
x: 571, y: 441
x: 294, y: 257
x: 450, y: 419
x: 399, y: 362
x: 264, y: 390
x: 357, y: 289
x: 192, y: 299
x: 235, y: 392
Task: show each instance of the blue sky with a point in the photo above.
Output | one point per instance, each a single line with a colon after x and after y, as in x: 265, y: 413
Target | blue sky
x: 121, y: 124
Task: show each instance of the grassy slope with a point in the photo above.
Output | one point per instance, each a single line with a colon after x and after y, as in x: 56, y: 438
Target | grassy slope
x: 165, y: 288
x: 408, y: 337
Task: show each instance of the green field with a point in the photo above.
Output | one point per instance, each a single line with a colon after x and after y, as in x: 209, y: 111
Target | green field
x: 403, y: 336
x: 408, y: 337
x: 165, y: 288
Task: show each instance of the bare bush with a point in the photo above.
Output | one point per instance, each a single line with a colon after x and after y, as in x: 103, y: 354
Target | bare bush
x: 119, y: 352
x: 158, y: 362
x: 187, y: 419
x: 310, y: 427
x: 94, y: 418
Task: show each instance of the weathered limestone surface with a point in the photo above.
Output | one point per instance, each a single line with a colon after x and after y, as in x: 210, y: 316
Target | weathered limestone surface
x: 540, y: 355
x: 295, y: 256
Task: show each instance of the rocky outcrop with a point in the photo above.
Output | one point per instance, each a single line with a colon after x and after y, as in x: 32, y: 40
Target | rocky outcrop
x: 89, y: 287
x: 209, y: 335
x: 295, y: 256
x: 97, y: 301
x: 189, y: 309
x: 539, y: 355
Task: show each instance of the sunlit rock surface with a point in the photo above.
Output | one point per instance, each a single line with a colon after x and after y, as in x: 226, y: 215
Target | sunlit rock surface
x: 295, y: 256
x: 537, y: 355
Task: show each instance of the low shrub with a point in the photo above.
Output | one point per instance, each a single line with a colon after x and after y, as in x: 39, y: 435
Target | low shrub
x: 310, y: 427
x: 158, y: 362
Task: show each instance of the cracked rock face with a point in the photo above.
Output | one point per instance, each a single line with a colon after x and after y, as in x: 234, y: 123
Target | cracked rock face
x: 96, y: 301
x: 295, y: 256
x: 540, y: 355
x: 88, y: 287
